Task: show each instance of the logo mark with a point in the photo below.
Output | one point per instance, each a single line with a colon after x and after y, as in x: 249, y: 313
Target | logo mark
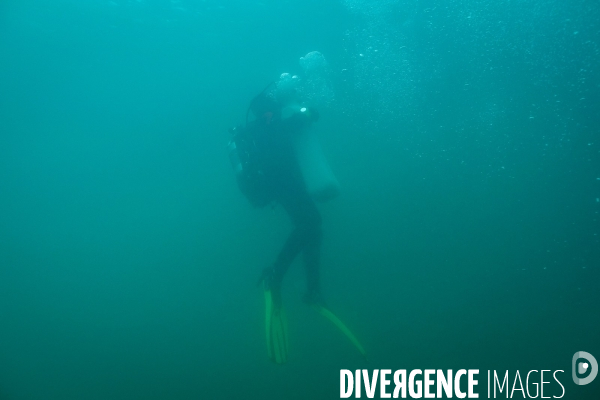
x: 580, y: 368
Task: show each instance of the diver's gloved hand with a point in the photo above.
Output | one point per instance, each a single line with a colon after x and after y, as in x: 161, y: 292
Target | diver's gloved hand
x: 300, y: 118
x: 308, y: 114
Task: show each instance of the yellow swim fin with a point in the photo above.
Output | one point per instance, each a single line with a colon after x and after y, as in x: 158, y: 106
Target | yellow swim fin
x: 276, y: 330
x: 342, y: 327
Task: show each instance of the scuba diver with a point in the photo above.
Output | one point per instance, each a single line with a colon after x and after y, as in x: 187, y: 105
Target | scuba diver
x: 285, y: 185
x: 277, y: 160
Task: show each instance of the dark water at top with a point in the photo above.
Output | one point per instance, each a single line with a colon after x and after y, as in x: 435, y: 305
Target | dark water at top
x: 465, y: 138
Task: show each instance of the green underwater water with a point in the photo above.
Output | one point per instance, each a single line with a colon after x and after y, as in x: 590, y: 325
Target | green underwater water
x: 464, y: 135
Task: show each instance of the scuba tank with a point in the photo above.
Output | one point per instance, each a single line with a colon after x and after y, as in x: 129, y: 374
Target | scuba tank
x: 245, y: 161
x: 245, y: 156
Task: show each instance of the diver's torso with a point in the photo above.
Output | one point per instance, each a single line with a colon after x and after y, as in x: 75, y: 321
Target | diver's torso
x: 279, y: 162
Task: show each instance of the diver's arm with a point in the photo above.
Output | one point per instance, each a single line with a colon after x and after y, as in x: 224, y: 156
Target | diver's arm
x: 300, y: 119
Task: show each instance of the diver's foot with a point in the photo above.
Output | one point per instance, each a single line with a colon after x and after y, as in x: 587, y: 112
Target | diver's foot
x: 268, y: 281
x: 268, y: 278
x: 265, y: 277
x: 314, y: 298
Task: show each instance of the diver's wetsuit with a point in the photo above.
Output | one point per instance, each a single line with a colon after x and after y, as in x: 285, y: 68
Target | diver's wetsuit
x: 285, y: 184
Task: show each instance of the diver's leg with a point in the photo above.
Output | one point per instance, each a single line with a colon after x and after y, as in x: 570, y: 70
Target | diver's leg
x: 273, y: 276
x: 293, y: 245
x: 306, y: 238
x: 312, y: 255
x: 306, y: 233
